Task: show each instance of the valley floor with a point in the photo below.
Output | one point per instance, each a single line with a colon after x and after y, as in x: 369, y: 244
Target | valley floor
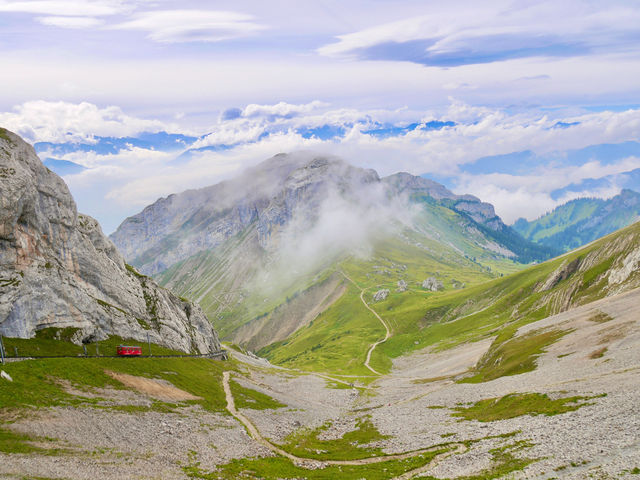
x: 577, y: 415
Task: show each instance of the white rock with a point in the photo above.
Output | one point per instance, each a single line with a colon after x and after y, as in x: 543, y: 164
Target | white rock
x: 433, y: 284
x: 629, y: 265
x: 380, y: 295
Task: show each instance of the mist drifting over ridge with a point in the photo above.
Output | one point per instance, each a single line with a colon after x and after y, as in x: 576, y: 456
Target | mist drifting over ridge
x: 341, y: 211
x: 292, y: 215
x: 302, y: 205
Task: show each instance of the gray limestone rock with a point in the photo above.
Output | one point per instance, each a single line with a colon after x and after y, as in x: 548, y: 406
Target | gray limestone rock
x: 433, y: 284
x: 402, y: 286
x: 480, y: 212
x: 380, y: 295
x: 57, y: 268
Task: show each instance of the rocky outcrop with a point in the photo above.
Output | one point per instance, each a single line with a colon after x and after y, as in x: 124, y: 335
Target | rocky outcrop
x: 480, y: 212
x: 381, y: 295
x: 433, y: 284
x: 630, y: 265
x: 565, y: 271
x: 57, y: 268
x: 402, y: 286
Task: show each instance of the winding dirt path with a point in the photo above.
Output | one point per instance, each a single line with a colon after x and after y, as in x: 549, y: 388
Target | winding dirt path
x: 374, y: 345
x: 384, y: 324
x: 311, y: 463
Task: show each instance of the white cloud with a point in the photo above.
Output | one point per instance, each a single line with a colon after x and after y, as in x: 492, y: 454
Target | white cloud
x: 81, y: 8
x: 70, y: 22
x: 474, y: 32
x: 238, y: 132
x: 488, y: 132
x: 174, y: 26
x: 62, y: 121
x: 281, y: 109
x: 249, y: 123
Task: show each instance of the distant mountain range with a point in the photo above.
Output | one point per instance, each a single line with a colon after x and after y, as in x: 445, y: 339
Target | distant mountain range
x: 581, y: 221
x: 264, y: 249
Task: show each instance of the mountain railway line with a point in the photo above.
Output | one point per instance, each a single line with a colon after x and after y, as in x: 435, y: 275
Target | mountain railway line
x: 223, y: 354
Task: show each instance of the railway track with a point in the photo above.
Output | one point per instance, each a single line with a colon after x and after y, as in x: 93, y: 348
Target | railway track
x: 220, y: 354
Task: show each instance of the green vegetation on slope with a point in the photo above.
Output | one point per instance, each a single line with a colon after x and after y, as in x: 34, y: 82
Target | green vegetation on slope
x: 518, y: 404
x: 278, y: 468
x: 12, y: 442
x: 582, y: 220
x: 336, y: 341
x: 249, y: 398
x: 40, y: 383
x: 352, y: 445
x: 339, y: 338
x: 447, y: 319
x: 504, y: 462
x: 56, y: 342
x: 514, y: 356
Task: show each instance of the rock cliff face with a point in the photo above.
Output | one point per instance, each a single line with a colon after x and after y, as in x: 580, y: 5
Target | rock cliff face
x: 57, y: 268
x: 179, y: 226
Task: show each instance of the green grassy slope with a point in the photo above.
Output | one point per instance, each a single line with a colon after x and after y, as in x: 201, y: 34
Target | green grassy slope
x: 229, y: 283
x: 339, y: 338
x: 37, y: 383
x: 499, y: 307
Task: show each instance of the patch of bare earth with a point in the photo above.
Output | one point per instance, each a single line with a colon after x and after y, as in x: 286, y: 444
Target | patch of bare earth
x: 156, y: 388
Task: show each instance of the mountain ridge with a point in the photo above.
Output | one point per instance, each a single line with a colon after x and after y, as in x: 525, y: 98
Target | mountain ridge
x: 155, y: 220
x: 254, y: 249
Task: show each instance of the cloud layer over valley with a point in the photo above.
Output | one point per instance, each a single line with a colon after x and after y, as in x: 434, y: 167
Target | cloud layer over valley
x: 515, y: 160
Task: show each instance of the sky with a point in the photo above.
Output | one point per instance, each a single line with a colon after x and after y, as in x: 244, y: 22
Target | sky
x: 525, y: 104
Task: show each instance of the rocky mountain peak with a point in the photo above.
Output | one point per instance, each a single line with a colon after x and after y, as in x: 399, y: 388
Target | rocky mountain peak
x: 266, y: 198
x: 479, y: 211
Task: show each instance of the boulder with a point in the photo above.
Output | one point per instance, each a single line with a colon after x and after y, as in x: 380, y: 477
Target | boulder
x: 433, y: 284
x: 380, y: 295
